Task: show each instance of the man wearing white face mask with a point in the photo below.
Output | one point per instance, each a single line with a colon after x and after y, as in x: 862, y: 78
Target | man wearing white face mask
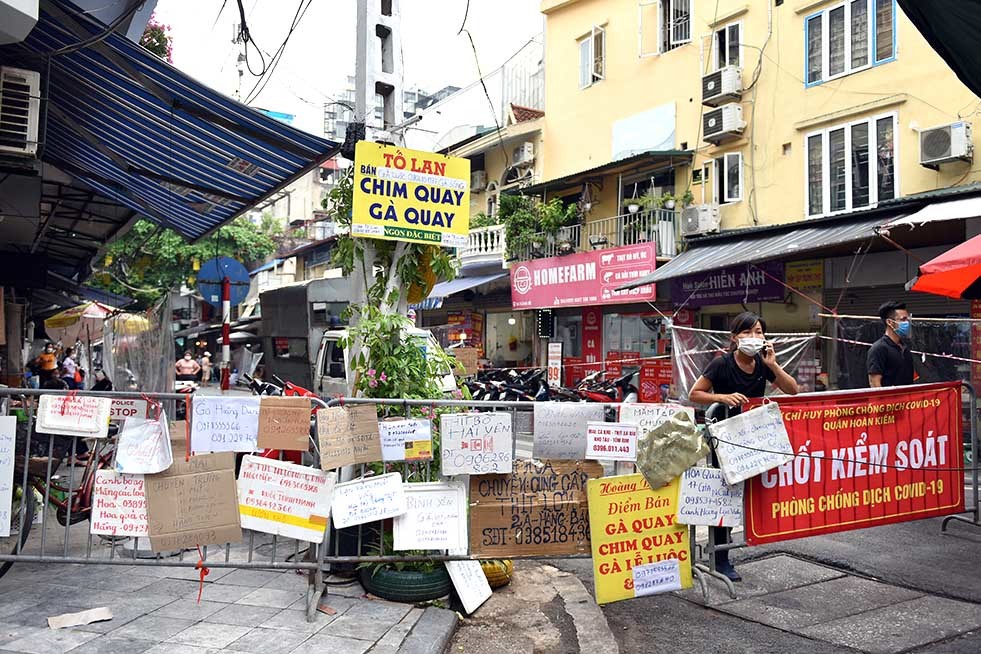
x: 734, y: 378
x: 890, y: 361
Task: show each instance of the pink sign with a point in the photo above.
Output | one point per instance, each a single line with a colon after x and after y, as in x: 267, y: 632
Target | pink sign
x: 583, y: 279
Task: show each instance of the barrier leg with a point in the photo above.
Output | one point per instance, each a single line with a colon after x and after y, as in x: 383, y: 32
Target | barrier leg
x: 976, y: 521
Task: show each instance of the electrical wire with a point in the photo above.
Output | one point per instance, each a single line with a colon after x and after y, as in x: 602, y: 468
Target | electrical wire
x: 101, y: 36
x: 466, y: 12
x: 497, y: 124
x: 245, y: 36
x: 260, y: 86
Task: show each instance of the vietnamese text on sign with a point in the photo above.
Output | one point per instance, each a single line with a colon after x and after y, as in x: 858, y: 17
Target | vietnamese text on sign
x: 476, y: 443
x: 560, y: 428
x: 224, y: 424
x: 285, y: 499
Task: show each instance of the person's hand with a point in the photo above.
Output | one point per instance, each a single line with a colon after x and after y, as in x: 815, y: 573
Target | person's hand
x: 733, y: 399
x: 769, y: 355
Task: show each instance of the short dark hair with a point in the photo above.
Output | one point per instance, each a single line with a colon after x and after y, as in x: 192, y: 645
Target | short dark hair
x: 746, y: 320
x: 888, y: 310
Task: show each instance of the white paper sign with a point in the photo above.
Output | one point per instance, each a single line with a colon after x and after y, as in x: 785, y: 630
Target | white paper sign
x: 650, y: 416
x: 396, y: 434
x: 476, y: 443
x: 121, y: 409
x: 144, y: 446
x: 470, y: 583
x: 224, y: 424
x: 555, y: 364
x: 654, y: 578
x: 73, y: 415
x: 705, y: 499
x: 612, y: 441
x: 118, y: 505
x: 365, y: 500
x: 761, y: 429
x: 435, y: 517
x: 560, y: 429
x: 285, y: 499
x: 8, y: 442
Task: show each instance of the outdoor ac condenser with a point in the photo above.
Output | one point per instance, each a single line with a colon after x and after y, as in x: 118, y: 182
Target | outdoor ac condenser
x: 723, y: 123
x: 945, y: 144
x: 478, y: 180
x: 20, y: 107
x: 722, y: 86
x: 700, y: 219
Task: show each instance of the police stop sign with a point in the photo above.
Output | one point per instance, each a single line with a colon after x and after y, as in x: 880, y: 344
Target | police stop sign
x: 122, y: 409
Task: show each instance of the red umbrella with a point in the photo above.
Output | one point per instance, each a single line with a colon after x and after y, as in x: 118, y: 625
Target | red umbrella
x: 956, y: 273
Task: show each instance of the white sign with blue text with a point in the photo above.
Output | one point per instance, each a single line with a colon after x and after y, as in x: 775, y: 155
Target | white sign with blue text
x: 224, y: 424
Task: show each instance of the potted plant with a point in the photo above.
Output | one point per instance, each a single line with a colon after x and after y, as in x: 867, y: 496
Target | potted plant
x: 667, y: 201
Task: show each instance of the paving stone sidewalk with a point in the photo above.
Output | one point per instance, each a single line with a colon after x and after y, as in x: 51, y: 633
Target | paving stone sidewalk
x: 155, y: 610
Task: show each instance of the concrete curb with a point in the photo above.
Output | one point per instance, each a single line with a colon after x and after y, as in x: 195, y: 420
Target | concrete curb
x: 432, y: 633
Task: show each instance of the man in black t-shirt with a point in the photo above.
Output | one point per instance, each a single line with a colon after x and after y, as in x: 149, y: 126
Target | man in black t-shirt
x: 890, y: 362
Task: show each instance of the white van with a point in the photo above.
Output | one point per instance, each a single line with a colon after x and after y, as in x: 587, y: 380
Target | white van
x: 331, y: 376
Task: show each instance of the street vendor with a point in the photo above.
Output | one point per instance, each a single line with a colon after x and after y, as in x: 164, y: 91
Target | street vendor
x: 733, y: 379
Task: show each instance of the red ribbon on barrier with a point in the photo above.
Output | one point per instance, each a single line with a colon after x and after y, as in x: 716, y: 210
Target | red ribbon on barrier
x: 154, y: 407
x: 204, y: 572
x: 187, y: 427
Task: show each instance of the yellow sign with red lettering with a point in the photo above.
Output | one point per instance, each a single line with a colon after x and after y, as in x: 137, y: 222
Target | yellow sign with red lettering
x: 638, y: 547
x: 410, y: 195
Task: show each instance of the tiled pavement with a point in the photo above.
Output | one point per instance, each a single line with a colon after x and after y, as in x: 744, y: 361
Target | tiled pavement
x: 155, y: 611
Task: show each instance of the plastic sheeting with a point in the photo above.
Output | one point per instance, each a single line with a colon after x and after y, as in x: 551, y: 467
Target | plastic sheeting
x: 693, y: 349
x: 138, y: 355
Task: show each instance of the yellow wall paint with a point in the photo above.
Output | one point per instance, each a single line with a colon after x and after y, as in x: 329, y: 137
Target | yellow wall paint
x: 918, y: 86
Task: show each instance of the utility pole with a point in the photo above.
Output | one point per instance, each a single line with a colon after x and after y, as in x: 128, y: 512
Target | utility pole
x: 378, y: 69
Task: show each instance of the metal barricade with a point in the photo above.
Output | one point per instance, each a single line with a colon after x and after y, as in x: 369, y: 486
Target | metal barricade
x: 54, y: 478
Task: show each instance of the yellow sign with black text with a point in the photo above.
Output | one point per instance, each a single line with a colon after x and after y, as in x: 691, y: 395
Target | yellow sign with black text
x: 410, y: 195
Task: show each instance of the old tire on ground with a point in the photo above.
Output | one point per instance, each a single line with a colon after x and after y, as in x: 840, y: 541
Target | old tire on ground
x: 498, y: 571
x: 406, y: 585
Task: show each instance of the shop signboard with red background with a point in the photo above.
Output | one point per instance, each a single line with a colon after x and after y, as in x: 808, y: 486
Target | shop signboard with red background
x: 876, y: 458
x: 583, y: 279
x: 655, y: 380
x: 976, y: 343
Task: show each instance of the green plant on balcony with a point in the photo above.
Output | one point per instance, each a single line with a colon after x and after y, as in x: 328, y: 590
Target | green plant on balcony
x: 484, y: 220
x: 529, y: 223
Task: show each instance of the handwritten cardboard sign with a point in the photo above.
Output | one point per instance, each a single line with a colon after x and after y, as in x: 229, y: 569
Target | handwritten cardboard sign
x: 751, y: 443
x: 476, y: 443
x: 435, y: 517
x: 633, y: 525
x: 706, y: 499
x: 144, y: 446
x: 406, y: 440
x: 193, y: 503
x: 73, y: 415
x: 560, y: 429
x: 224, y: 424
x: 613, y: 441
x: 8, y: 439
x: 284, y: 423
x: 470, y: 583
x: 467, y: 356
x: 540, y: 508
x: 118, y: 505
x: 120, y: 409
x: 348, y: 435
x: 648, y: 416
x: 366, y: 500
x: 284, y: 499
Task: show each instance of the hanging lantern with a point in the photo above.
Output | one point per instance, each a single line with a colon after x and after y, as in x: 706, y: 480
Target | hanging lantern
x: 108, y: 260
x: 195, y: 264
x: 190, y: 279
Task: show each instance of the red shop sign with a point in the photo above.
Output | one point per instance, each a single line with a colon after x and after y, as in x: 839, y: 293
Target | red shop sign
x: 891, y: 456
x: 655, y: 380
x: 583, y: 279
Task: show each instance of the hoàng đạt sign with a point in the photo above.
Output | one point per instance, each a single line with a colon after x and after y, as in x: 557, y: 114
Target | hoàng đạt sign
x: 409, y: 195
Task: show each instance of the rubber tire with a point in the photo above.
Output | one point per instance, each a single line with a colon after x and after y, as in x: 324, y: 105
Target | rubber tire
x: 409, y: 586
x: 498, y: 571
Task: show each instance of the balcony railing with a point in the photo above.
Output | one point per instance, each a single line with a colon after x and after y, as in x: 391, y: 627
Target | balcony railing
x: 485, y: 245
x: 659, y: 226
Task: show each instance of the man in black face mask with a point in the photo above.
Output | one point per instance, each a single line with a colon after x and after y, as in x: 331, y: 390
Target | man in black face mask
x: 890, y: 361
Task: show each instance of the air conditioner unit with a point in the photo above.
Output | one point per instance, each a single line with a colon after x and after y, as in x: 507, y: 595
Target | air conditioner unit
x: 945, y: 144
x: 723, y: 123
x: 700, y: 219
x: 524, y: 153
x: 20, y: 107
x: 478, y: 180
x: 722, y: 86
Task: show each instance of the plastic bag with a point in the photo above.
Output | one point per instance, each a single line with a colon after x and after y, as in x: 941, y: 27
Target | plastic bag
x: 669, y: 449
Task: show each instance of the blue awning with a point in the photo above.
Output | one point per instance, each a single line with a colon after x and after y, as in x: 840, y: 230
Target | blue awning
x: 443, y: 290
x: 266, y: 266
x: 146, y: 135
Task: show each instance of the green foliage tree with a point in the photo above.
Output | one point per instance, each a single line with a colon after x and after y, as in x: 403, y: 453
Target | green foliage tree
x: 157, y: 39
x: 148, y: 261
x: 526, y: 219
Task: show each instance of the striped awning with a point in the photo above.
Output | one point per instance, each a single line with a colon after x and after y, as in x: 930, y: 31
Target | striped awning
x: 146, y: 135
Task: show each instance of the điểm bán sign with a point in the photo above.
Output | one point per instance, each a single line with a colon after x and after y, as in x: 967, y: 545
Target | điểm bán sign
x: 409, y: 195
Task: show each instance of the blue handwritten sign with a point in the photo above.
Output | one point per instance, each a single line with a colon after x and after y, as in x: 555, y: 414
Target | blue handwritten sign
x: 224, y: 424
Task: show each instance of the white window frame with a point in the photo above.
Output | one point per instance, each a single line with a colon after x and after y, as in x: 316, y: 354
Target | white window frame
x: 874, y: 199
x: 589, y: 39
x: 711, y: 175
x: 716, y: 55
x: 870, y: 40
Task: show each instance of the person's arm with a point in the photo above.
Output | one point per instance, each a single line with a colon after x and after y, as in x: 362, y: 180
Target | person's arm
x: 875, y: 380
x: 197, y: 367
x: 701, y: 393
x: 781, y: 379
